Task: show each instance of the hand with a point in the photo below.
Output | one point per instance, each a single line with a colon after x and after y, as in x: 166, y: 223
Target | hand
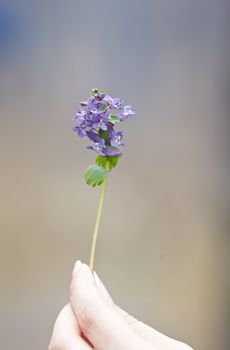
x: 93, y: 321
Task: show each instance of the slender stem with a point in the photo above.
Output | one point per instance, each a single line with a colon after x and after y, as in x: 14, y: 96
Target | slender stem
x: 97, y: 224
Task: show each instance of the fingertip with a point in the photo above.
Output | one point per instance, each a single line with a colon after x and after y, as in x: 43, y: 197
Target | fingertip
x: 82, y: 278
x: 97, y: 320
x: 82, y: 270
x: 80, y: 266
x: 77, y: 265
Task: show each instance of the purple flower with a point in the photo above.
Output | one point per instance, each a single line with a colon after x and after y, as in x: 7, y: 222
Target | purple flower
x: 116, y: 138
x: 97, y: 119
x: 100, y: 123
x: 127, y: 112
x: 97, y: 148
x: 93, y: 136
x: 80, y: 131
x: 110, y: 152
x: 117, y: 103
x: 79, y: 115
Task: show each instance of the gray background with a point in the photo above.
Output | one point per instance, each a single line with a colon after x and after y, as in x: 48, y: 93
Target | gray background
x: 164, y: 238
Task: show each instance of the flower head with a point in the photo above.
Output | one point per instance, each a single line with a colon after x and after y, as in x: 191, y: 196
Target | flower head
x: 97, y: 118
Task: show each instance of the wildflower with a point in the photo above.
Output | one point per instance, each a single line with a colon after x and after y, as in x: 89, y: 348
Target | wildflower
x: 97, y: 118
x: 127, y: 112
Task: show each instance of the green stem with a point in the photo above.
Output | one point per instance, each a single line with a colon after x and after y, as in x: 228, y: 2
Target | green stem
x: 97, y: 224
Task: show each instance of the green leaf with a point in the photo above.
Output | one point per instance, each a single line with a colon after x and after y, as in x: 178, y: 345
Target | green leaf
x: 95, y: 175
x: 104, y: 107
x: 104, y: 134
x: 101, y: 161
x: 107, y: 162
x: 94, y: 91
x: 113, y: 119
x: 113, y: 161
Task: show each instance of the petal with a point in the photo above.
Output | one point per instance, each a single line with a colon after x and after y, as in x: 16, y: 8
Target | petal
x: 95, y: 148
x: 81, y: 132
x: 93, y: 136
x: 108, y: 151
x: 127, y: 112
x: 117, y: 103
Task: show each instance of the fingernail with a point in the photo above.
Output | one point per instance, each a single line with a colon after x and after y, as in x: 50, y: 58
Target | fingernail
x: 77, y: 265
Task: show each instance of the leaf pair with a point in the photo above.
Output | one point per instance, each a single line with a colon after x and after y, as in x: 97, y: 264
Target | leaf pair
x: 96, y: 174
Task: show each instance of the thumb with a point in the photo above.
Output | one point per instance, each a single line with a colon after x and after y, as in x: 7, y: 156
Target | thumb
x: 97, y: 320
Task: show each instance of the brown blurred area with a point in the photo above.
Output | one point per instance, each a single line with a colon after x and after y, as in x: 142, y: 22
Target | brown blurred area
x: 163, y: 249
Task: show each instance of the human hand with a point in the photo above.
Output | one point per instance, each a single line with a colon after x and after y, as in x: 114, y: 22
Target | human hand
x: 93, y: 321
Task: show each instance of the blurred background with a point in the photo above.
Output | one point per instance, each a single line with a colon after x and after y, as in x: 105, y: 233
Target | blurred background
x: 163, y: 244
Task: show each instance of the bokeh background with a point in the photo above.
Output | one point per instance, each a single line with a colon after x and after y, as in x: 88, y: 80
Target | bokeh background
x: 164, y: 240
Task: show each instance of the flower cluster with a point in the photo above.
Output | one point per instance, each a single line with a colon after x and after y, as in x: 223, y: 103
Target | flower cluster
x: 97, y: 118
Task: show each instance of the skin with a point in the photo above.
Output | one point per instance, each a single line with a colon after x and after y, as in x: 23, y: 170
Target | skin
x: 92, y: 320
